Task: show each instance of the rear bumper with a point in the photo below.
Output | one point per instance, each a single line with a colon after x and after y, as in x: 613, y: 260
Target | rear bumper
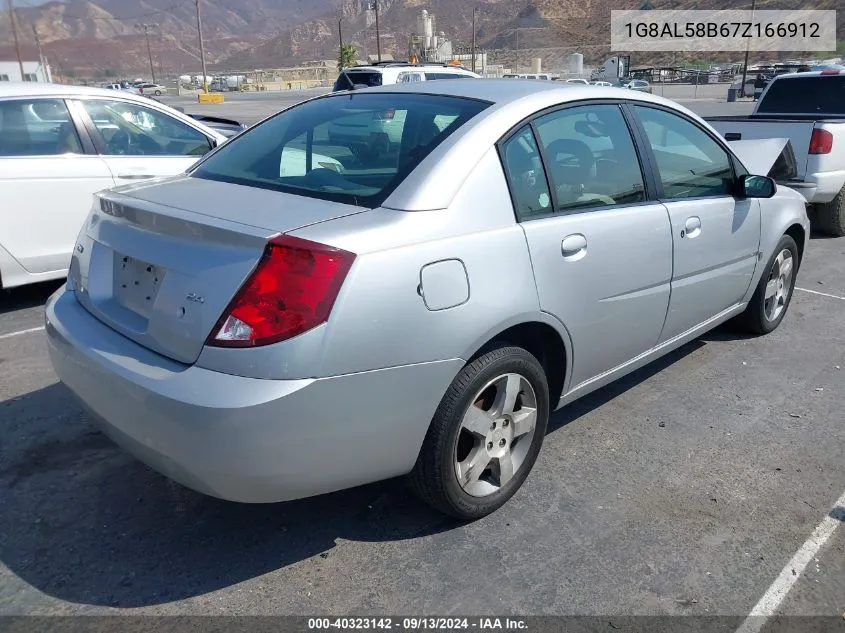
x: 823, y: 187
x: 244, y: 439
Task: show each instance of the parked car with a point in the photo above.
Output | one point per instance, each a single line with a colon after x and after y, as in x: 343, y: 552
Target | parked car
x: 605, y: 84
x: 389, y: 73
x: 150, y: 89
x: 375, y: 132
x: 582, y: 82
x: 279, y: 336
x: 640, y: 85
x: 809, y: 109
x: 536, y: 76
x: 60, y: 144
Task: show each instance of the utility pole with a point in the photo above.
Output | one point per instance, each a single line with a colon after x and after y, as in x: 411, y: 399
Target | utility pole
x: 474, y: 11
x: 747, y: 46
x: 147, y: 28
x: 516, y: 70
x: 202, y: 49
x: 41, y: 58
x: 374, y: 5
x: 15, y: 34
x: 340, y: 31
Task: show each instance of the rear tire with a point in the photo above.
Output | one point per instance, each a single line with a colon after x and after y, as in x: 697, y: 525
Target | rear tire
x: 487, y: 430
x: 158, y: 93
x: 830, y: 216
x: 764, y: 313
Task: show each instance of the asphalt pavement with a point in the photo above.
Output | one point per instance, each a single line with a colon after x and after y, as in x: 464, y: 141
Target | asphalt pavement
x: 699, y: 485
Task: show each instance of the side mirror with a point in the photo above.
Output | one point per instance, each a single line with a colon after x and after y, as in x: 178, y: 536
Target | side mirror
x: 757, y: 187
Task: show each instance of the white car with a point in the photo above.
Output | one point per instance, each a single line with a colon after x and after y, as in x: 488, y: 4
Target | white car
x: 398, y: 73
x: 575, y: 80
x: 150, y: 89
x: 379, y: 132
x: 604, y: 84
x: 61, y: 144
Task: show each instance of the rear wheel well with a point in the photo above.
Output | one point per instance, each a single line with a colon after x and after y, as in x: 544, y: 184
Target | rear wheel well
x: 796, y: 232
x: 544, y: 343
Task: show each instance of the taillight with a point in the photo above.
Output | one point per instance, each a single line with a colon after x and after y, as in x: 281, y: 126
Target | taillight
x: 829, y: 71
x: 821, y: 142
x: 292, y: 290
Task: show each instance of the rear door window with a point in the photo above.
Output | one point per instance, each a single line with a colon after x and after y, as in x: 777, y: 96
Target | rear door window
x: 354, y: 148
x: 40, y: 127
x: 526, y: 176
x: 805, y: 95
x: 591, y: 158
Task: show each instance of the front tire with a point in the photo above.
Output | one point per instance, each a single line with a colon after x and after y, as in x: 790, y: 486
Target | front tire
x: 771, y: 300
x: 830, y: 216
x: 485, y: 435
x: 158, y: 93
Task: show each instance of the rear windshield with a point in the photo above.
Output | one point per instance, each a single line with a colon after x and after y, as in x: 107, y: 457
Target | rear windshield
x: 354, y: 148
x: 805, y: 95
x: 348, y: 79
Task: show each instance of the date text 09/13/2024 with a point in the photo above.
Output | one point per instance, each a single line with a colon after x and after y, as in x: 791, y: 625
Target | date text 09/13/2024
x: 418, y: 624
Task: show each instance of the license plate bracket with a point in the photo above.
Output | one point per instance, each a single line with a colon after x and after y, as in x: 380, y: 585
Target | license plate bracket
x: 136, y: 284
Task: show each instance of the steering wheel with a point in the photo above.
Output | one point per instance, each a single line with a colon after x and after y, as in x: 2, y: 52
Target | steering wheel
x: 120, y: 142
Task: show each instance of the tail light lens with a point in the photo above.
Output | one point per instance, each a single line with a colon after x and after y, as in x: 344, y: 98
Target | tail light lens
x: 291, y: 291
x: 821, y: 142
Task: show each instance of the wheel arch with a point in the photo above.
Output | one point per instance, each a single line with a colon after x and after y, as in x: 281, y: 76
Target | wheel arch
x: 797, y: 233
x: 543, y: 336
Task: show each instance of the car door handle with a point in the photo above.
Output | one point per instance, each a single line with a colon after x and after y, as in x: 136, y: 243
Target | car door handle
x: 692, y: 227
x: 573, y: 247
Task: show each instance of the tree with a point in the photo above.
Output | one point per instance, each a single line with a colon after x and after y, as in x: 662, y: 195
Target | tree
x: 347, y: 54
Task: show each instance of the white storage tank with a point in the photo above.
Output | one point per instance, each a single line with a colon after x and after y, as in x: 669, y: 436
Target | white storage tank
x: 536, y: 65
x: 576, y: 64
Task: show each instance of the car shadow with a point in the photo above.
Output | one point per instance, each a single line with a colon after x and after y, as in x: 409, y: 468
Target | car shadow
x: 27, y: 296
x: 86, y: 523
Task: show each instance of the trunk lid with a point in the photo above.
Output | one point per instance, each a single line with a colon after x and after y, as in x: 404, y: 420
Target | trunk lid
x: 160, y: 262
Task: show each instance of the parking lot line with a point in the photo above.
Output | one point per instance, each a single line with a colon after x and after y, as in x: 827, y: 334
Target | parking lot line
x: 823, y: 294
x: 774, y: 596
x: 20, y: 332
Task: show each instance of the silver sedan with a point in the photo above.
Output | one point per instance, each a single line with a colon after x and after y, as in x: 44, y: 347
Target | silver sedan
x: 262, y: 329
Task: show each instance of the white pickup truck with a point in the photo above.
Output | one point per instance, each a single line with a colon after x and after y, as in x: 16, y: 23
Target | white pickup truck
x: 809, y: 109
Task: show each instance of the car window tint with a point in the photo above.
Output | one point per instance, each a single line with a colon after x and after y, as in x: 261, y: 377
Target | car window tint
x: 355, y: 147
x: 39, y: 127
x: 127, y: 129
x: 590, y: 157
x: 805, y: 95
x: 690, y: 162
x: 525, y: 173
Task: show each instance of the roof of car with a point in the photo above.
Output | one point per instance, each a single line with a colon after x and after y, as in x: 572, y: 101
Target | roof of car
x: 812, y: 73
x: 38, y: 89
x: 501, y: 91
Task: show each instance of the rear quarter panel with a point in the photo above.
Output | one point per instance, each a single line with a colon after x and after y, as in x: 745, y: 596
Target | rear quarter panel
x: 379, y: 319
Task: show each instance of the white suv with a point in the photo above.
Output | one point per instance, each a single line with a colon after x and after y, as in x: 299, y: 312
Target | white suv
x: 379, y: 132
x: 397, y: 73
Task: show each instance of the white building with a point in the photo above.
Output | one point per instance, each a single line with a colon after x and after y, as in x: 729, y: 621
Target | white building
x: 33, y: 71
